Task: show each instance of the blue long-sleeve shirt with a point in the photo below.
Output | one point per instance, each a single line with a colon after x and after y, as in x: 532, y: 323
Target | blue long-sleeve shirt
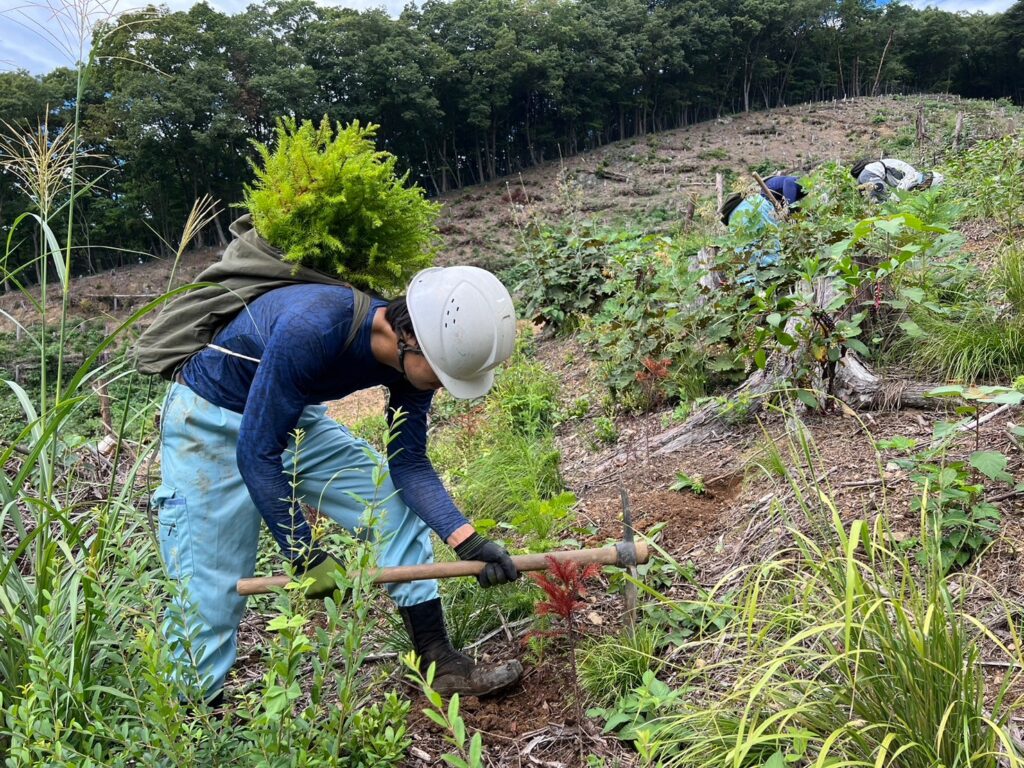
x: 297, y: 333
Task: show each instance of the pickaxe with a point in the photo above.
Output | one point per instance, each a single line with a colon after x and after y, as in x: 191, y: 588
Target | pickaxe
x: 626, y: 554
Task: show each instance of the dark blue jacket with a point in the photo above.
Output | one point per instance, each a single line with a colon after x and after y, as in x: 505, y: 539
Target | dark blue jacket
x: 787, y: 186
x: 298, y: 333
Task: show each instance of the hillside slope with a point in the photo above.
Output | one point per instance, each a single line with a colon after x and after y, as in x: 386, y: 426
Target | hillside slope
x: 655, y: 177
x: 651, y: 178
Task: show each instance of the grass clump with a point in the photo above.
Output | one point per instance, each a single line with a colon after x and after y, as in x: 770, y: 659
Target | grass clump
x: 612, y: 666
x: 501, y: 461
x: 848, y: 659
x: 509, y: 471
x: 981, y: 338
x: 976, y: 345
x: 330, y: 201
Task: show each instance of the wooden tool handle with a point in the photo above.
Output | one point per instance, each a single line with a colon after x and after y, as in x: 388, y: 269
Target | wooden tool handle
x: 404, y: 573
x: 768, y: 193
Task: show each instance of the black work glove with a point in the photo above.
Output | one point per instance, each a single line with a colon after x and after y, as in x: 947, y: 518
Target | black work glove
x: 499, y: 569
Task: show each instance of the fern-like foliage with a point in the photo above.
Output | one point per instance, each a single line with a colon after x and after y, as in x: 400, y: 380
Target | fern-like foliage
x: 329, y: 200
x: 565, y: 585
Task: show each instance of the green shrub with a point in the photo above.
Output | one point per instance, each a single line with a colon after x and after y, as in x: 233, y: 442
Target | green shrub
x: 330, y: 201
x: 958, y: 518
x: 605, y: 430
x: 654, y: 338
x: 764, y: 168
x: 524, y: 397
x: 540, y: 521
x: 990, y: 179
x: 563, y: 275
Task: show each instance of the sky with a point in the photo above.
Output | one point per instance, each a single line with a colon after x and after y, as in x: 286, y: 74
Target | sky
x: 39, y: 35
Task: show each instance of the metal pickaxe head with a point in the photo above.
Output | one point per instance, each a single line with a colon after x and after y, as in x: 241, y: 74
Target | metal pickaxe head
x: 628, y: 557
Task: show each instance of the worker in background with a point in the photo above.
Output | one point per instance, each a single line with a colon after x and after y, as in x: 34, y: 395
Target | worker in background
x: 879, y: 177
x: 756, y: 219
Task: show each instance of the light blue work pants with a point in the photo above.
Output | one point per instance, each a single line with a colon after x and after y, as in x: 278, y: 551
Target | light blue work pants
x: 209, y: 526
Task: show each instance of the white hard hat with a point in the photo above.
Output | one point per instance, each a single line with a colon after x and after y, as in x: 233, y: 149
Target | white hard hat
x: 937, y: 178
x: 465, y: 325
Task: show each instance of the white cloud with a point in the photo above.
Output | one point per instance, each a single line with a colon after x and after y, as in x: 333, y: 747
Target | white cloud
x: 21, y: 48
x: 972, y: 6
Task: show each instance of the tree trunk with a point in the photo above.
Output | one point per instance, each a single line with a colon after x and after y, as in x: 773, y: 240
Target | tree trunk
x: 881, y: 62
x: 480, y: 162
x: 492, y: 159
x: 529, y: 141
x: 842, y: 83
x: 787, y: 73
x: 222, y: 239
x: 430, y: 169
x: 455, y: 166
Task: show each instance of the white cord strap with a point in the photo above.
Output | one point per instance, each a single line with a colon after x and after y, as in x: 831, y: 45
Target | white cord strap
x: 233, y: 354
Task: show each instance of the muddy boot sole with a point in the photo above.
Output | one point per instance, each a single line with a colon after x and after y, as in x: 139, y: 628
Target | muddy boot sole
x: 483, y: 680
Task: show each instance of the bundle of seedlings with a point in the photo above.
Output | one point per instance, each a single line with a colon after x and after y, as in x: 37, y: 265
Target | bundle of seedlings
x: 330, y: 201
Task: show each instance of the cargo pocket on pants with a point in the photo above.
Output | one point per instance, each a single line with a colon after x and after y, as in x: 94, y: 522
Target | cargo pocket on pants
x: 175, y: 532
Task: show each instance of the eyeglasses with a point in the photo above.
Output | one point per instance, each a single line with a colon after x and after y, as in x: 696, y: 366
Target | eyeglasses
x: 403, y: 350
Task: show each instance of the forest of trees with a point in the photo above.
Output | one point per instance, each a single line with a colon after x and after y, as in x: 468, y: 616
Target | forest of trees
x: 465, y: 91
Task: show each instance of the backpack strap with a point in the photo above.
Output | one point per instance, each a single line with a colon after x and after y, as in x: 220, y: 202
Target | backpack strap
x: 360, y: 309
x: 361, y: 304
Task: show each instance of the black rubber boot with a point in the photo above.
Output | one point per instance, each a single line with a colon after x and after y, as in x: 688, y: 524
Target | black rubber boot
x: 454, y: 672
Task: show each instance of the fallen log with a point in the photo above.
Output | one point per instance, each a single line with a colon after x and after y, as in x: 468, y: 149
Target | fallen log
x: 604, y: 173
x: 854, y: 384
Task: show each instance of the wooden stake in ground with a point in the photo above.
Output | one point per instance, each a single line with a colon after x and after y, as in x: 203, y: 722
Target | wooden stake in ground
x: 629, y: 594
x: 958, y: 134
x: 720, y: 189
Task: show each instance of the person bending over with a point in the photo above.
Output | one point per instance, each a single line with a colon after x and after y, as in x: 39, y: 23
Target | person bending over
x: 228, y: 456
x: 879, y: 177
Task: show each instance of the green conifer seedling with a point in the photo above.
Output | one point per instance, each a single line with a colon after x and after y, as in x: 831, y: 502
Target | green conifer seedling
x: 330, y: 201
